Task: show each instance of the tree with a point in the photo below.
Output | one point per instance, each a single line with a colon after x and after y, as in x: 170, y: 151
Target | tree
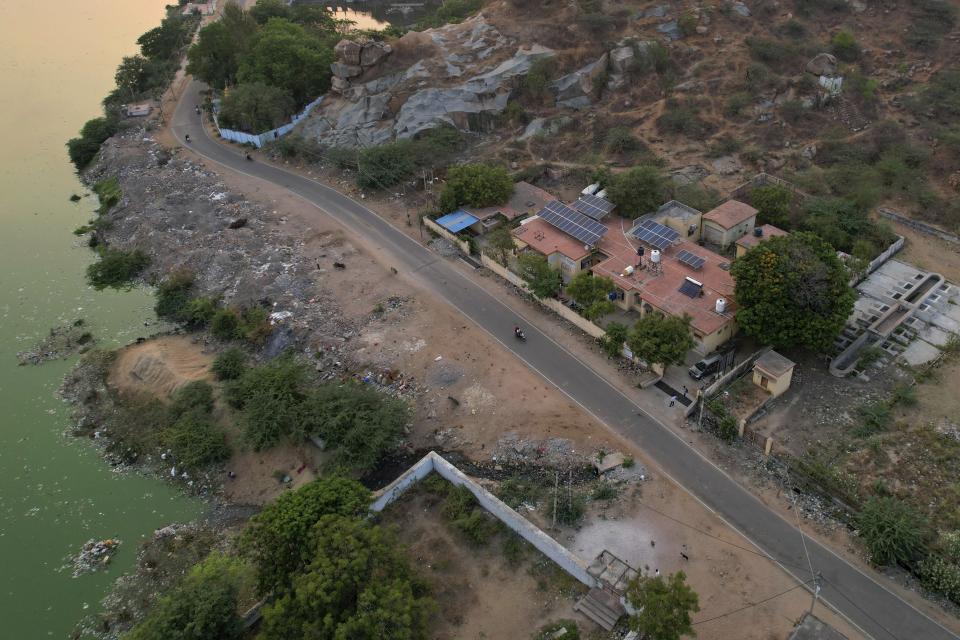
x: 167, y: 40
x: 362, y: 423
x: 358, y: 585
x: 83, y: 149
x: 659, y: 339
x: 500, y: 243
x: 845, y: 46
x: 173, y: 296
x: 773, y: 205
x: 614, y: 338
x: 202, y: 606
x: 591, y: 293
x: 892, y: 530
x: 793, y: 291
x: 542, y: 280
x: 664, y: 606
x: 195, y: 441
x: 276, y: 540
x: 216, y: 55
x: 255, y: 107
x: 271, y: 397
x: 229, y: 364
x: 385, y: 165
x: 477, y: 185
x: 637, y: 191
x: 286, y: 56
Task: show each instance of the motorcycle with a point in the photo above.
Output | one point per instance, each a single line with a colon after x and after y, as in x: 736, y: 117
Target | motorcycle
x: 249, y: 158
x: 521, y: 336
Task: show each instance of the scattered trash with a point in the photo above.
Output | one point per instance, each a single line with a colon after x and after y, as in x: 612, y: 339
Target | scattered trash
x: 94, y: 555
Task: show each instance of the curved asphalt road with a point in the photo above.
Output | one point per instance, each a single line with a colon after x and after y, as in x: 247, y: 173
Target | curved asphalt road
x: 877, y: 611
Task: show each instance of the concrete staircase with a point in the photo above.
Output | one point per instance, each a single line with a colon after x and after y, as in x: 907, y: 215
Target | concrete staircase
x: 602, y: 607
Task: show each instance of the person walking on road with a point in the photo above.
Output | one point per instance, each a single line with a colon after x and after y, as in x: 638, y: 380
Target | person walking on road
x: 673, y: 400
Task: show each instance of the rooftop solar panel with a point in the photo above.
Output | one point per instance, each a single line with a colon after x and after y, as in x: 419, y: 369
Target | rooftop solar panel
x: 593, y: 206
x: 573, y: 223
x: 691, y: 288
x: 692, y: 260
x: 656, y: 234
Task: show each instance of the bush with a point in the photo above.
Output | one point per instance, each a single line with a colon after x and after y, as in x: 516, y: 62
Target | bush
x: 229, y: 364
x: 450, y: 12
x: 773, y: 205
x: 536, y: 82
x: 844, y: 46
x: 226, y: 325
x: 613, y: 339
x: 173, y: 296
x: 516, y: 491
x: 930, y: 22
x: 196, y: 441
x: 83, y: 149
x: 681, y: 118
x: 875, y: 417
x: 476, y: 185
x: 569, y: 508
x: 108, y: 193
x: 735, y: 104
x: 116, y: 268
x: 569, y: 629
x: 200, y: 311
x: 942, y: 576
x: 386, y: 165
x: 891, y: 529
x: 271, y: 397
x: 193, y: 396
x: 203, y: 605
x: 687, y: 23
x: 621, y: 140
x: 604, y: 491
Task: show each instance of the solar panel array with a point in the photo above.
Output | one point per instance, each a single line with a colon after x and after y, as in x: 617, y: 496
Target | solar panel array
x: 691, y: 288
x: 656, y: 234
x: 593, y: 206
x: 692, y: 260
x: 573, y: 223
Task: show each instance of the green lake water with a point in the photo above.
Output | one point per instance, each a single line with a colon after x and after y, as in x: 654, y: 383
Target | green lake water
x: 56, y: 63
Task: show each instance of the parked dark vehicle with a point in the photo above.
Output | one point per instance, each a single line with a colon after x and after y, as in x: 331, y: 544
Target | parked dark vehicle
x: 706, y: 367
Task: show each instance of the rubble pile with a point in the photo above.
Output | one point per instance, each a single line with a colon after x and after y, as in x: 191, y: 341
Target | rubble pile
x: 94, y: 555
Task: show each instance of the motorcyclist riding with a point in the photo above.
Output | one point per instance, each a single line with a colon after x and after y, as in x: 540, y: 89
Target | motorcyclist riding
x: 186, y: 137
x: 517, y: 331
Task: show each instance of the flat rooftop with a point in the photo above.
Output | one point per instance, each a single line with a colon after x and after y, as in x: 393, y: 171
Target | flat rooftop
x: 767, y: 231
x: 774, y: 364
x: 544, y: 238
x: 663, y: 290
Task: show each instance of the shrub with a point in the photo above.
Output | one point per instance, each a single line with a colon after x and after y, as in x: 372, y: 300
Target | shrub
x: 773, y: 205
x: 687, y: 23
x: 568, y: 509
x: 844, y: 46
x: 226, y: 325
x: 83, y: 149
x: 699, y: 197
x: 108, y: 193
x: 478, y: 526
x: 173, y: 296
x: 271, y: 397
x: 891, y: 529
x: 201, y: 310
x: 613, y: 339
x: 681, y: 118
x: 621, y: 140
x: 196, y: 441
x: 930, y: 22
x: 942, y: 576
x: 477, y: 185
x: 535, y: 83
x: 604, y: 491
x: 875, y: 417
x: 116, y: 268
x: 516, y: 491
x: 450, y: 12
x: 905, y: 395
x: 256, y: 107
x: 229, y: 364
x: 385, y: 165
x: 193, y: 396
x: 566, y: 629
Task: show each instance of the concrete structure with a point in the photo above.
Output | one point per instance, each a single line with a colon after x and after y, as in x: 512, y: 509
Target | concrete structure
x: 773, y: 372
x: 139, y: 110
x: 526, y: 201
x: 903, y: 310
x: 562, y: 251
x: 758, y: 235
x: 729, y: 222
x: 686, y: 221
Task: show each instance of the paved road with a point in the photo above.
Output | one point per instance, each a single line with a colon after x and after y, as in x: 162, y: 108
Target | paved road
x: 861, y: 598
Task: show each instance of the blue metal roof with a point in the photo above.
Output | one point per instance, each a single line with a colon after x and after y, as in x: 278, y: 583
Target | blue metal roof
x: 456, y: 221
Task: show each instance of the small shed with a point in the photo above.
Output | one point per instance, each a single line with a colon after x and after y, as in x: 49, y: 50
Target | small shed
x: 773, y: 372
x: 138, y: 110
x: 458, y: 221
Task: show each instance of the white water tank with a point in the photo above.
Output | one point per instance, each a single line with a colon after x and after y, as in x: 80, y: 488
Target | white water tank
x: 591, y: 189
x: 655, y: 256
x: 601, y: 194
x: 628, y: 271
x: 721, y: 305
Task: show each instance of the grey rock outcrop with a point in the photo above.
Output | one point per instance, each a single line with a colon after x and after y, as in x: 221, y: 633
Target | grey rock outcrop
x: 348, y: 52
x: 578, y: 90
x: 353, y: 59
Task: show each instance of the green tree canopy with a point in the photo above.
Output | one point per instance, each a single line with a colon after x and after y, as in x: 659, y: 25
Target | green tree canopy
x: 792, y: 291
x: 116, y: 268
x: 637, y: 191
x: 544, y: 282
x: 201, y: 607
x: 664, y: 606
x: 500, y: 243
x: 892, y: 530
x: 358, y: 584
x: 277, y: 539
x: 285, y: 55
x: 271, y: 397
x: 773, y: 205
x: 256, y: 107
x: 477, y: 185
x: 590, y: 292
x: 614, y: 338
x: 167, y: 40
x: 220, y: 46
x: 841, y: 222
x: 660, y: 339
x: 362, y: 423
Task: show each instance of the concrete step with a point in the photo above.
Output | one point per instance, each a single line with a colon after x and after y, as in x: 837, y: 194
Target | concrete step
x: 601, y: 607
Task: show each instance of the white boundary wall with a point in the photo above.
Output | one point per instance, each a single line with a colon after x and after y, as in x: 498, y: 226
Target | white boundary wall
x: 261, y: 139
x: 433, y: 462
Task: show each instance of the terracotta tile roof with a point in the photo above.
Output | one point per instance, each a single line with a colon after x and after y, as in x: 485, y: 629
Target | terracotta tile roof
x: 769, y: 231
x: 663, y: 291
x: 525, y: 201
x: 730, y: 214
x: 547, y: 239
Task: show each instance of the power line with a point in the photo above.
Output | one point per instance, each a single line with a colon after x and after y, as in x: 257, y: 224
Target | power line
x: 755, y: 604
x: 858, y: 608
x: 762, y: 554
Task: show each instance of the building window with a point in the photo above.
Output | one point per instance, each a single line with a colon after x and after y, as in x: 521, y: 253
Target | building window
x: 567, y: 264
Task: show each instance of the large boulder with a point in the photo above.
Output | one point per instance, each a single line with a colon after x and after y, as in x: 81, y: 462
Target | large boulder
x: 342, y: 70
x: 823, y: 64
x: 577, y: 90
x: 348, y: 52
x: 374, y: 53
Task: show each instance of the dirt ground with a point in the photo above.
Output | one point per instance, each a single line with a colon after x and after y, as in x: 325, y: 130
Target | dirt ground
x: 160, y: 366
x: 479, y: 592
x: 929, y: 252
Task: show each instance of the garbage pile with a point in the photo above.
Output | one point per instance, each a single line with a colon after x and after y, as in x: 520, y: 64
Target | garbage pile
x: 95, y: 554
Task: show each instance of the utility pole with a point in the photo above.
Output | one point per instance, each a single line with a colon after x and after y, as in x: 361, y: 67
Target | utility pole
x: 816, y: 591
x: 556, y: 490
